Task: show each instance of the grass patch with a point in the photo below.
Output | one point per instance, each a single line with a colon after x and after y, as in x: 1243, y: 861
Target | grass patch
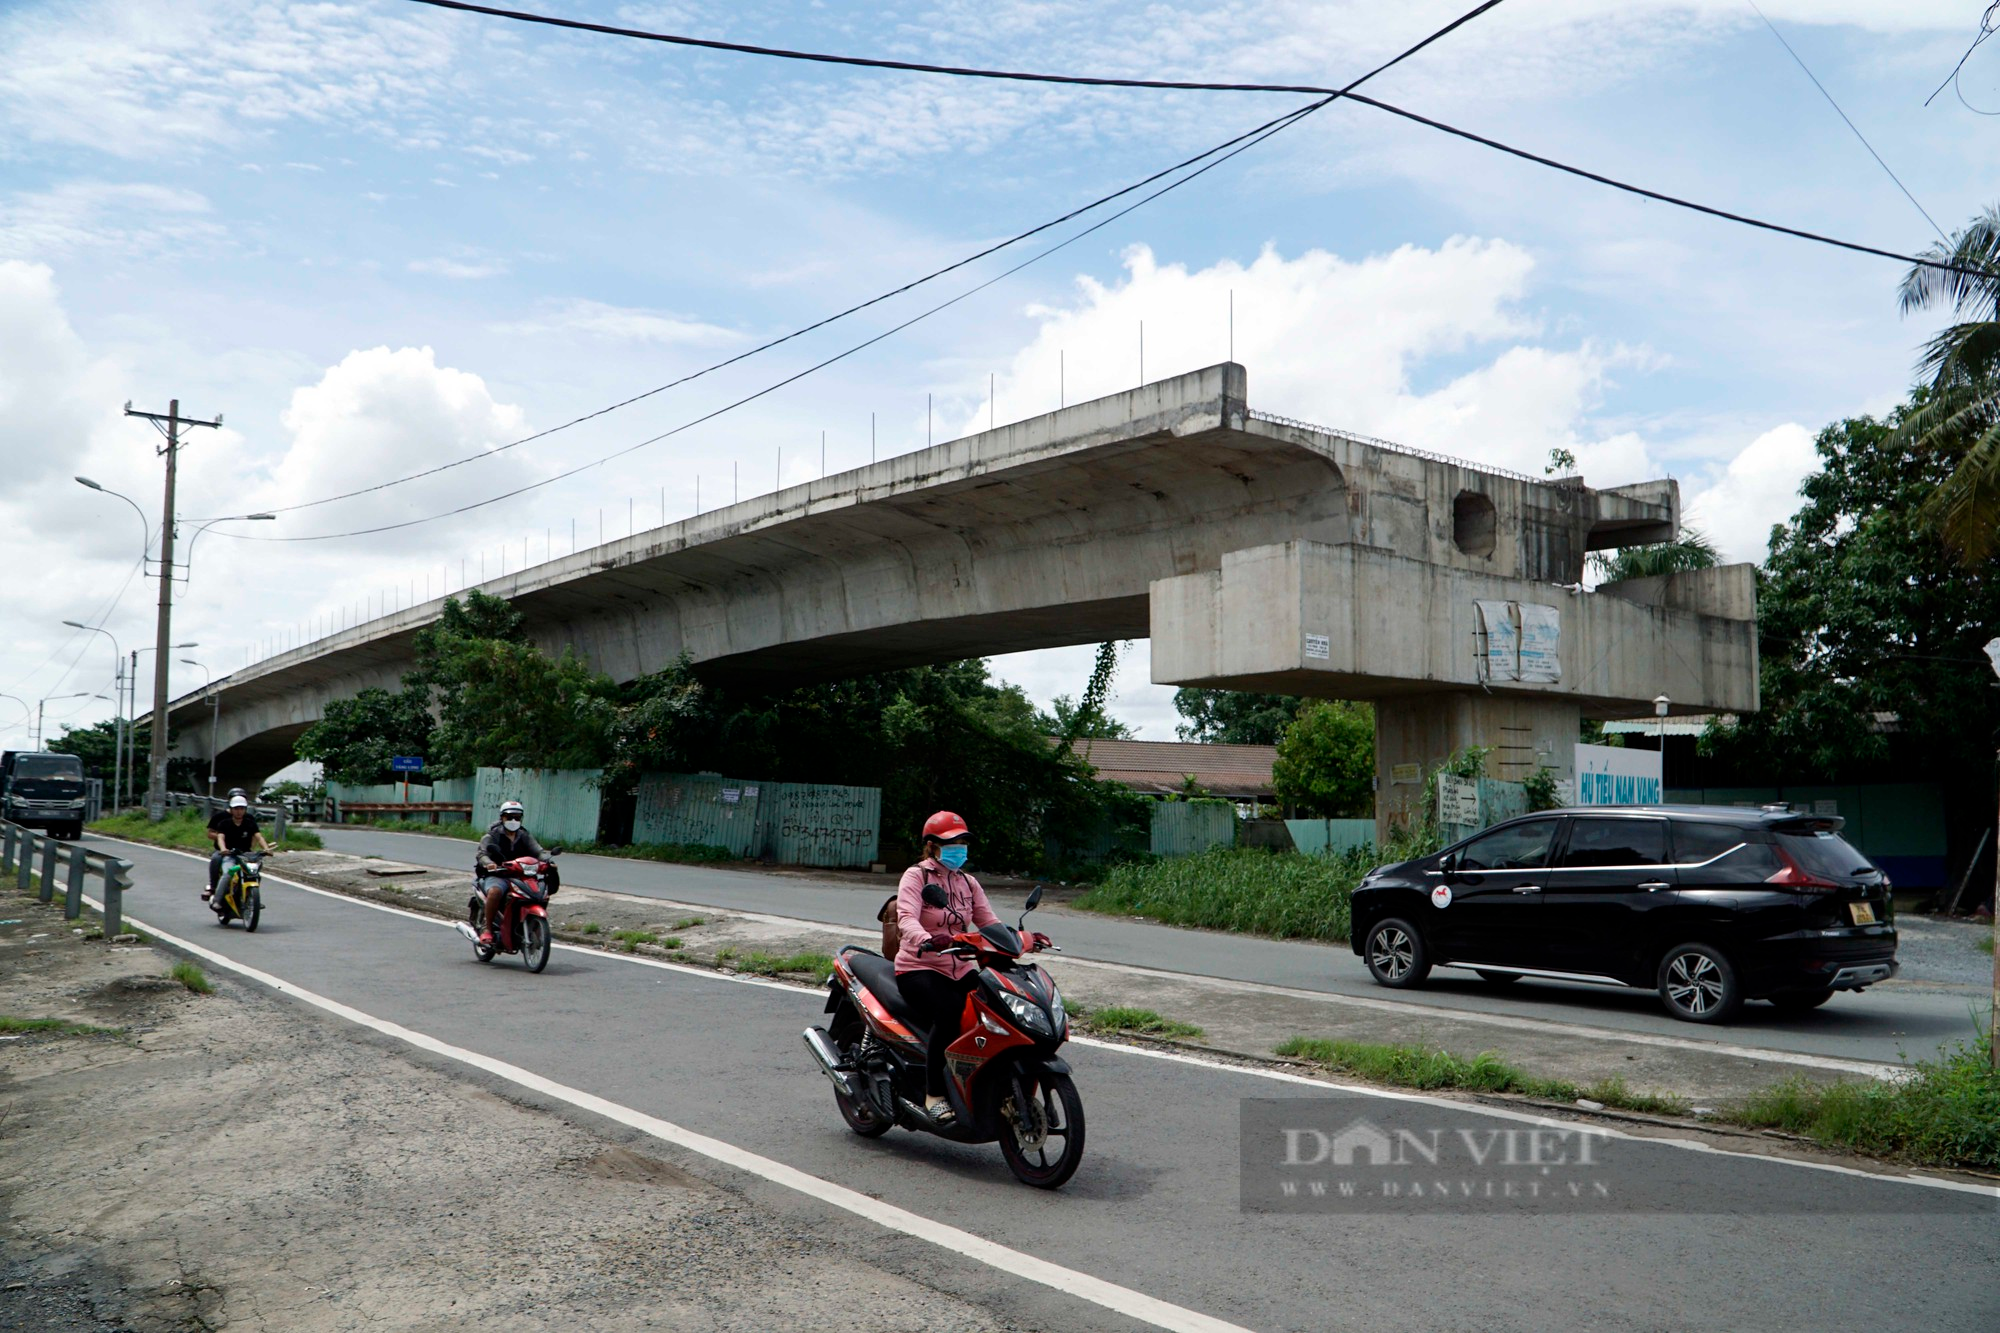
x: 1241, y: 889
x: 767, y: 965
x: 60, y: 1027
x: 188, y: 830
x: 1946, y: 1112
x: 192, y: 977
x: 1613, y: 1092
x: 456, y: 829
x: 1425, y: 1067
x: 1143, y: 1022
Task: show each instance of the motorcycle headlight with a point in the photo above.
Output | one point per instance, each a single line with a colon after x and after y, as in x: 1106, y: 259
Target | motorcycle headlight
x: 1028, y: 1015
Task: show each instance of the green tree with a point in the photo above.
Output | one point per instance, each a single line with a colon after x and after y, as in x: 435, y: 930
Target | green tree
x: 1326, y: 761
x: 1691, y: 550
x: 1959, y: 420
x: 355, y: 738
x: 1233, y: 717
x: 1864, y: 615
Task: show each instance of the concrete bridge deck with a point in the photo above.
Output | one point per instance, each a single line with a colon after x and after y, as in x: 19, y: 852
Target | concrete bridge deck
x: 1047, y: 532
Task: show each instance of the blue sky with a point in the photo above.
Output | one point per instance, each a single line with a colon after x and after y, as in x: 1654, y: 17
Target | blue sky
x: 379, y: 236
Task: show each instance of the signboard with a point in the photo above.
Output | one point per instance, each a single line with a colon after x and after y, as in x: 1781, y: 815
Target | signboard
x: 1406, y: 773
x: 1541, y: 642
x: 1319, y: 646
x: 1612, y: 775
x: 1499, y: 641
x: 1458, y: 800
x: 406, y: 763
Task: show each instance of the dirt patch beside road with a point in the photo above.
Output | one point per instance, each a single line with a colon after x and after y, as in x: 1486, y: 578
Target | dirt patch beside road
x: 230, y: 1161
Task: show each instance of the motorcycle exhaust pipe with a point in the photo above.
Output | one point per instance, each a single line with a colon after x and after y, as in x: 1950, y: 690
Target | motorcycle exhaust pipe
x: 828, y: 1058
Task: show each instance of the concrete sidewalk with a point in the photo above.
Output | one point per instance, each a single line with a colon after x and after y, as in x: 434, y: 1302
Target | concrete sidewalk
x: 1239, y: 1019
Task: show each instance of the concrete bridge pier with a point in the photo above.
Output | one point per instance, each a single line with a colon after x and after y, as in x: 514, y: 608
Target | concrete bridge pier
x: 1415, y: 733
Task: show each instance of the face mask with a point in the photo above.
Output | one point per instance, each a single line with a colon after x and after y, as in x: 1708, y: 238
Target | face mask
x: 511, y: 825
x: 953, y: 856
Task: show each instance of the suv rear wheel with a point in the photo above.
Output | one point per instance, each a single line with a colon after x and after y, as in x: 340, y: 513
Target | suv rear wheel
x: 1698, y: 984
x: 1396, y: 954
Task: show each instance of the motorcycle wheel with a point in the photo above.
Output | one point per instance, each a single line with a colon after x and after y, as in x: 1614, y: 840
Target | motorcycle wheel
x: 253, y: 911
x: 535, y: 945
x: 1059, y: 1110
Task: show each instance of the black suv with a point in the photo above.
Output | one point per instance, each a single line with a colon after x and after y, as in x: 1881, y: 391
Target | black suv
x: 1708, y: 905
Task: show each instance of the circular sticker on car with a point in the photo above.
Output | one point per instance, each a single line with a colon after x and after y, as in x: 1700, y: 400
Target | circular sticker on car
x: 1441, y: 896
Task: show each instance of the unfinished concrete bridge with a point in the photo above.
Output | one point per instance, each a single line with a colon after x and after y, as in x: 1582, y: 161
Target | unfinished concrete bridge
x: 1255, y: 553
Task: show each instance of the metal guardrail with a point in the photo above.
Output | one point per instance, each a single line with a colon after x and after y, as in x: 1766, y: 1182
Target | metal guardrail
x: 19, y: 846
x: 274, y: 815
x: 1394, y: 448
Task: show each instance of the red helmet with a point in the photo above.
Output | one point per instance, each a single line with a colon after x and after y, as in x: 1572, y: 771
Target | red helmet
x: 946, y: 827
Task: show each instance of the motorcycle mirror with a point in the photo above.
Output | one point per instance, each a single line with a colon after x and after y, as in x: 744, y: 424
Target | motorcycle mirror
x: 934, y: 896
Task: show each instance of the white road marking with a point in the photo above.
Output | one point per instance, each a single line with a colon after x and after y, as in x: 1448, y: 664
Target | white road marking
x: 1412, y: 1006
x: 1176, y: 1057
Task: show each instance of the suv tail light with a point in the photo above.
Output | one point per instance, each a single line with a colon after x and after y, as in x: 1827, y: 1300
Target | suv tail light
x: 1794, y: 876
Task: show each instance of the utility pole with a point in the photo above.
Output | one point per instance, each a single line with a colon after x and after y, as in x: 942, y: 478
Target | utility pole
x: 169, y: 425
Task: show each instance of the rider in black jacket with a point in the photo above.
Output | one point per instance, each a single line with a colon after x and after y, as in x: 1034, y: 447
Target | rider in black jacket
x: 506, y: 841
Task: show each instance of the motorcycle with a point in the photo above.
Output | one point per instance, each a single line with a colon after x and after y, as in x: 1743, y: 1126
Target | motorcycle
x: 522, y: 925
x: 1004, y: 1080
x: 239, y: 893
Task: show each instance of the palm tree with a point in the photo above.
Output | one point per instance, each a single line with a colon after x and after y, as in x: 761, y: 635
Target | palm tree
x: 1961, y: 412
x: 1691, y: 550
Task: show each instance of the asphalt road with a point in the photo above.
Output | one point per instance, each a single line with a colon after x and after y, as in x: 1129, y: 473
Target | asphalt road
x: 1888, y: 1024
x: 1697, y: 1239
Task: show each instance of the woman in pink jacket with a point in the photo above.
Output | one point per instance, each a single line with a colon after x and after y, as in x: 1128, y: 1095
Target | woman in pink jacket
x: 936, y: 984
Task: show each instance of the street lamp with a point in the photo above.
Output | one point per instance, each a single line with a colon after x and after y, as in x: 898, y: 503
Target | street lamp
x: 226, y: 518
x: 132, y: 694
x: 43, y: 706
x: 117, y: 706
x: 215, y: 710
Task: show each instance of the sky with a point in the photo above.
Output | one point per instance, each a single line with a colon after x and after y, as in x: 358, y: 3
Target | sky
x: 378, y: 237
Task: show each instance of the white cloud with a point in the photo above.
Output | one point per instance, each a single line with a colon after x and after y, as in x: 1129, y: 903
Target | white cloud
x: 131, y: 220
x: 1347, y: 343
x: 1759, y: 488
x: 458, y: 268
x: 596, y: 319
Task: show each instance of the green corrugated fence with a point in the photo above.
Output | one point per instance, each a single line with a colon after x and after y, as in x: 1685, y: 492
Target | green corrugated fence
x: 562, y: 804
x: 794, y: 823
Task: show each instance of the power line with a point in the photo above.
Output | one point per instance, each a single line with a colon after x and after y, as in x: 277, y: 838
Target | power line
x: 1676, y: 201
x: 1988, y: 25
x: 1800, y: 62
x: 1328, y: 95
x: 1236, y: 145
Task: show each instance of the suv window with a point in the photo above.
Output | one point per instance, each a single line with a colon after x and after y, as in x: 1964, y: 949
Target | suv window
x: 1827, y: 855
x: 1516, y: 847
x: 1616, y: 842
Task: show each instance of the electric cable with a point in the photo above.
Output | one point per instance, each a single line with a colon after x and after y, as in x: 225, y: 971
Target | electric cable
x: 1798, y: 60
x: 1328, y: 95
x: 1240, y: 143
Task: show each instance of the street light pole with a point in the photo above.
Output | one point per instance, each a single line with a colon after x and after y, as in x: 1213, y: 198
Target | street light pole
x: 117, y: 707
x: 215, y: 713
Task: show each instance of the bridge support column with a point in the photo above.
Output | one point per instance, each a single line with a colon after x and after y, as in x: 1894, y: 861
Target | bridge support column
x: 1420, y: 731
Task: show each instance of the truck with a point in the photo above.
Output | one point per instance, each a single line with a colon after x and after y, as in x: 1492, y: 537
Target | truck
x: 43, y: 790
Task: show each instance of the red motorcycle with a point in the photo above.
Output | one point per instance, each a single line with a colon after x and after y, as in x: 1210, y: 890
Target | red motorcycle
x: 1003, y: 1080
x: 523, y: 923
